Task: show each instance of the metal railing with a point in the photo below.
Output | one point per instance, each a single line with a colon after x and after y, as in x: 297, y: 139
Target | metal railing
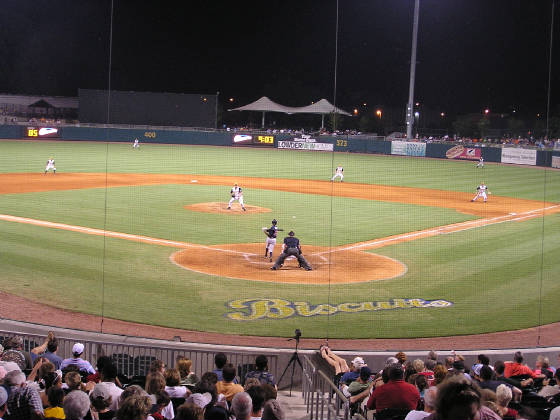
x: 322, y: 398
x: 135, y: 359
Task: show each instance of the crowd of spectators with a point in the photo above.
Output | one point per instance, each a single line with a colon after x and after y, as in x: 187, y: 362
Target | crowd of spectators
x: 436, y: 389
x: 41, y: 385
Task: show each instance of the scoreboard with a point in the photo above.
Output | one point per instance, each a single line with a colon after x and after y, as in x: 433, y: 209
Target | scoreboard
x: 252, y: 140
x: 41, y: 132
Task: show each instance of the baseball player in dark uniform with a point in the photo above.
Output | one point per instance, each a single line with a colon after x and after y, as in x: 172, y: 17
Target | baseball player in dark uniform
x: 291, y: 247
x: 271, y: 234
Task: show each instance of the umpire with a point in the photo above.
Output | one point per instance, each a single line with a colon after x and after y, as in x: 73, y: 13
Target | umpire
x: 291, y: 248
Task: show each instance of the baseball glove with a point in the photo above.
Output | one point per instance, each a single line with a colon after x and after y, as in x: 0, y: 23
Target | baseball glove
x: 232, y: 194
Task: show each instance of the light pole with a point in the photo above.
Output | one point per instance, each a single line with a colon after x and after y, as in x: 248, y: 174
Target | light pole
x: 409, y: 109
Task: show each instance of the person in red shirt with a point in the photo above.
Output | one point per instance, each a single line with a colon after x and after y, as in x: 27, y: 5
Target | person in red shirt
x: 396, y: 393
x: 517, y: 368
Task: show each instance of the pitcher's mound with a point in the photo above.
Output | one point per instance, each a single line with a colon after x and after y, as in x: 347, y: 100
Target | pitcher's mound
x: 217, y: 207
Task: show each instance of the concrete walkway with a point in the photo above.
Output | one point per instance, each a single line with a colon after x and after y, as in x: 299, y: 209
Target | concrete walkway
x: 294, y: 406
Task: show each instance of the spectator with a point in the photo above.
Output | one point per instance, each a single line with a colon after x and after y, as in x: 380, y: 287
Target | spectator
x: 155, y: 383
x: 101, y: 402
x: 157, y: 366
x: 432, y: 355
x: 257, y: 398
x: 241, y: 404
x: 517, y: 368
x: 272, y: 411
x: 188, y: 378
x: 189, y: 411
x: 421, y: 369
x: 503, y: 398
x: 135, y: 407
x: 542, y: 367
x: 73, y: 382
x: 459, y: 369
x: 76, y: 405
x: 172, y: 387
x: 55, y: 397
x: 457, y: 398
x: 227, y: 386
x: 251, y: 382
x: 3, y: 401
x: 449, y: 362
x: 48, y: 350
x: 270, y: 392
x: 359, y: 385
x: 220, y: 361
x: 24, y: 402
x: 83, y: 365
x: 338, y: 363
x: 551, y: 387
x: 429, y: 405
x: 261, y: 373
x: 216, y: 409
x: 13, y: 352
x: 108, y: 378
x: 401, y: 357
x: 162, y: 401
x: 354, y: 372
x: 440, y: 373
x: 101, y: 362
x: 486, y: 382
x: 499, y: 369
x: 396, y: 393
x: 48, y: 381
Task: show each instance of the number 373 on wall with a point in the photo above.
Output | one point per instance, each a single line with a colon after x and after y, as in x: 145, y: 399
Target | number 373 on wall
x: 342, y: 143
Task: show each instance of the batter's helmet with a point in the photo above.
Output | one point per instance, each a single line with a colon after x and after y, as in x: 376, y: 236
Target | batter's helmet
x: 274, y: 221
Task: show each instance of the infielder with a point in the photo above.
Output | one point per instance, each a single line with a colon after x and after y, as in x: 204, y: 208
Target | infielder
x: 339, y: 172
x: 480, y: 163
x: 481, y: 191
x: 271, y: 234
x: 236, y: 194
x: 136, y: 144
x: 291, y: 247
x: 50, y: 165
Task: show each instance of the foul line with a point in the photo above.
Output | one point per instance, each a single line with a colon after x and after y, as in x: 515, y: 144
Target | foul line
x: 441, y: 230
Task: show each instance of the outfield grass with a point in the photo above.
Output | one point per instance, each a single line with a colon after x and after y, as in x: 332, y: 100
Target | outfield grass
x: 498, y: 277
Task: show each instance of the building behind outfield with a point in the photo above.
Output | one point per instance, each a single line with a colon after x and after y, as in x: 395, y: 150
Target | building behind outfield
x: 147, y: 108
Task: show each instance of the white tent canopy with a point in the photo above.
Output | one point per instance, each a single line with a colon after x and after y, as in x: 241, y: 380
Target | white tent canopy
x: 264, y: 105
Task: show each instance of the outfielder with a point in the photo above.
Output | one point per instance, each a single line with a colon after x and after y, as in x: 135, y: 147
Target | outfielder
x: 236, y: 194
x: 271, y: 234
x: 50, y: 165
x: 291, y: 247
x: 481, y: 191
x: 339, y: 172
x: 136, y: 144
x: 480, y: 163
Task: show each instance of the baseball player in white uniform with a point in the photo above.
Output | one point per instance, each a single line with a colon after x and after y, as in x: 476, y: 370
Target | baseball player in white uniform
x: 136, y: 144
x: 480, y: 163
x: 50, y: 165
x: 236, y: 194
x: 481, y: 191
x: 339, y: 172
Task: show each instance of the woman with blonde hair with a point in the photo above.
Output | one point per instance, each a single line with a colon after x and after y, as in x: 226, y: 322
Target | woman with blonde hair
x: 188, y: 377
x: 503, y: 398
x: 155, y: 383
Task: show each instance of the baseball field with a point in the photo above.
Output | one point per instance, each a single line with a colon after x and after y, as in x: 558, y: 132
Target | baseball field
x: 398, y: 249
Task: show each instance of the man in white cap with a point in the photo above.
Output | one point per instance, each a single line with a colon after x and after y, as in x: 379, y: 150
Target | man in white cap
x: 83, y: 365
x: 354, y: 372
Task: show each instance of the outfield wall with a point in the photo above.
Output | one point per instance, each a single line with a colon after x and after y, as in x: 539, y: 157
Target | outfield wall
x: 341, y: 143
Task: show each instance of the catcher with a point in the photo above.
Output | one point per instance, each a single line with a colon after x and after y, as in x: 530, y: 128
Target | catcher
x: 236, y: 194
x: 481, y: 191
x: 291, y: 247
x: 271, y: 234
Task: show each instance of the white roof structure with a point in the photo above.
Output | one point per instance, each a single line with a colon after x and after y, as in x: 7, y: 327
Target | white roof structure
x: 264, y: 105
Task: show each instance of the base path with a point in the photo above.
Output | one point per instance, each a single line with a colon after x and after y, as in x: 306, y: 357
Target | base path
x: 241, y: 259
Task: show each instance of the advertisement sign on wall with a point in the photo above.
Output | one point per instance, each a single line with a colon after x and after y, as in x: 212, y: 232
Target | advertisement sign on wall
x: 462, y: 152
x: 41, y: 132
x: 252, y: 140
x: 556, y: 161
x: 408, y: 148
x: 519, y: 156
x: 300, y: 145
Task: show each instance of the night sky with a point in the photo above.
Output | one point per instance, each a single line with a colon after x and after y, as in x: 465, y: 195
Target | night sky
x: 472, y: 54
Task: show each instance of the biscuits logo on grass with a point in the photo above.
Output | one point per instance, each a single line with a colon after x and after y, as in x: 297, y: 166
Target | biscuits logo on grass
x: 253, y: 309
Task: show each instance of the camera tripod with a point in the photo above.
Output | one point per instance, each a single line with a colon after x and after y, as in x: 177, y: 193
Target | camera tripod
x: 293, y: 360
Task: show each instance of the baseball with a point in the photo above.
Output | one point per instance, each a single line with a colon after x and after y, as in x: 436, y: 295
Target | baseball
x: 293, y: 217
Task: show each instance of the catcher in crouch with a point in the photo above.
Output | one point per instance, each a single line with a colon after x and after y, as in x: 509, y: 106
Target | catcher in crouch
x: 291, y: 247
x: 271, y: 234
